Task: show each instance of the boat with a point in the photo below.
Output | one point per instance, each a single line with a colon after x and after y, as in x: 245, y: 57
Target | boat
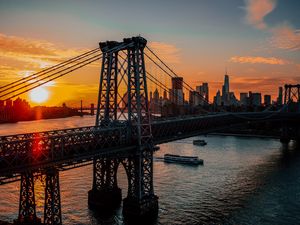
x: 199, y: 142
x: 192, y: 160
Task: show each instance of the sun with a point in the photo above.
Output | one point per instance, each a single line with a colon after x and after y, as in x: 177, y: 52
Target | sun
x: 39, y: 95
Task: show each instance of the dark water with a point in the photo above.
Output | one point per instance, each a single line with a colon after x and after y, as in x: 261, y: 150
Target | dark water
x: 243, y: 181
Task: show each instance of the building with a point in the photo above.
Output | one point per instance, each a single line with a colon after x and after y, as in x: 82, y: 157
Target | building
x: 203, y: 90
x: 225, y: 91
x: 255, y: 99
x: 217, y: 98
x: 176, y: 93
x: 195, y: 98
x: 165, y: 96
x: 279, y: 99
x: 232, y: 99
x: 155, y: 102
x: 243, y: 98
x: 267, y: 100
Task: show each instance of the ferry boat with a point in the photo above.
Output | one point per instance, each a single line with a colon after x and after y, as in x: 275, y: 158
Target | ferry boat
x: 199, y: 142
x: 192, y: 160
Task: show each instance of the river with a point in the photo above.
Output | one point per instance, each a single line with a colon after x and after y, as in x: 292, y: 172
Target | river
x: 242, y: 181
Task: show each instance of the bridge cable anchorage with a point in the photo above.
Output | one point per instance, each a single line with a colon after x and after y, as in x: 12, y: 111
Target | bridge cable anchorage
x: 44, y: 71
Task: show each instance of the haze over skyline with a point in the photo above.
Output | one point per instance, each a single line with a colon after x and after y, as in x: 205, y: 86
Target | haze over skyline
x: 257, y: 40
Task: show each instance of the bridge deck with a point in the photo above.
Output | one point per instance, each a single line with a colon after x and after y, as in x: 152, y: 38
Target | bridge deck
x: 70, y: 147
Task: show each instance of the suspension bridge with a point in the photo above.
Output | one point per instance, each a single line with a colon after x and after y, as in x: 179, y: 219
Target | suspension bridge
x: 125, y: 133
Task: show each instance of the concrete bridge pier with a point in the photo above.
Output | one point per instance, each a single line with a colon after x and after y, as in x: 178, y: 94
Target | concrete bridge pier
x: 27, y: 206
x: 285, y: 136
x: 141, y: 204
x: 105, y: 195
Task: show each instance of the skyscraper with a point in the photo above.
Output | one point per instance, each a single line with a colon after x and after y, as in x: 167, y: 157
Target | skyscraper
x: 225, y: 91
x: 203, y: 90
x: 177, y: 95
x: 267, y: 100
x: 244, y: 99
x: 217, y: 98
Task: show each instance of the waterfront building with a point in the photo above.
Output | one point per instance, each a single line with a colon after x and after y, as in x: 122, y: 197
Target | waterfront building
x: 280, y: 99
x: 203, y: 90
x: 195, y: 98
x: 217, y: 98
x: 255, y: 99
x: 225, y: 91
x: 176, y: 93
x: 267, y: 100
x: 244, y: 98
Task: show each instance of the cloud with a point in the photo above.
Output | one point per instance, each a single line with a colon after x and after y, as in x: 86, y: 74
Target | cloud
x: 167, y: 52
x: 256, y: 11
x: 285, y: 37
x: 258, y: 59
x: 263, y: 84
x: 39, y: 53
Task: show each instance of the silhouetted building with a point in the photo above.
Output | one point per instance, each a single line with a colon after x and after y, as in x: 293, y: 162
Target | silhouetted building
x: 165, y: 95
x: 195, y: 98
x: 267, y: 100
x: 225, y: 91
x: 255, y: 99
x: 279, y: 99
x: 232, y: 99
x: 204, y: 92
x: 176, y: 93
x: 218, y: 99
x: 244, y: 99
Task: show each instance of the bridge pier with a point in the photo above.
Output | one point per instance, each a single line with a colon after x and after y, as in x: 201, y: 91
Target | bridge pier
x: 52, y: 210
x: 27, y: 206
x: 285, y: 137
x: 140, y: 204
x: 105, y: 195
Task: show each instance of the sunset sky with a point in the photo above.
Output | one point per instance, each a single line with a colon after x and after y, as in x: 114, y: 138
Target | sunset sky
x: 257, y: 40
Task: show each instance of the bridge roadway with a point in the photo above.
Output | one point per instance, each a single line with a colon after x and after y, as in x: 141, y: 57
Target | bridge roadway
x: 69, y: 148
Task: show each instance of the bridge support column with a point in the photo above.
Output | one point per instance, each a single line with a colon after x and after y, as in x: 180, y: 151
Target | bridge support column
x: 52, y: 211
x: 105, y: 195
x: 285, y: 137
x: 27, y: 209
x: 140, y: 204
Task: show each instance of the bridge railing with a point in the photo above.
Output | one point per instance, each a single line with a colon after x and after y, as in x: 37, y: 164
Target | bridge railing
x: 42, y: 149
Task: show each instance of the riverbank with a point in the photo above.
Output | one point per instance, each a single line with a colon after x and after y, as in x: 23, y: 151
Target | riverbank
x: 245, y: 135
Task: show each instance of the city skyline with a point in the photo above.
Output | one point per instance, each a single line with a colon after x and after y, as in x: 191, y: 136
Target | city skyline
x: 257, y: 41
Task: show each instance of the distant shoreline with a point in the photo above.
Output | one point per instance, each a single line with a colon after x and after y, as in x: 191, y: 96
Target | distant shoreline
x: 244, y: 135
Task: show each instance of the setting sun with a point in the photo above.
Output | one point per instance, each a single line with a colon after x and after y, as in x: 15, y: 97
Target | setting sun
x: 39, y: 95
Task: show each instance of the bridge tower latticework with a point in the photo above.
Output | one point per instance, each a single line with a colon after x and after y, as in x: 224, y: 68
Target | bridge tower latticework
x: 123, y: 101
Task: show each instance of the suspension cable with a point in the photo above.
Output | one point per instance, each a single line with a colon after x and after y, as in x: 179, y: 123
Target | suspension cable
x: 50, y: 69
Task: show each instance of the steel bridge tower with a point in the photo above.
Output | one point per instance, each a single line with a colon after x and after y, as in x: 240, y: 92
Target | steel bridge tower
x: 291, y: 105
x: 123, y: 100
